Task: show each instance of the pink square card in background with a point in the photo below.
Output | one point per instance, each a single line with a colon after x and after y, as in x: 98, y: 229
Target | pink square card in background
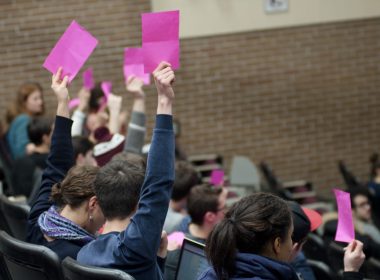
x: 71, y: 51
x: 345, y: 231
x: 134, y: 64
x: 88, y: 79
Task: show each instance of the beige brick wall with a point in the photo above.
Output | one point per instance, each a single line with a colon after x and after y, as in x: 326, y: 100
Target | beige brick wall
x: 301, y: 98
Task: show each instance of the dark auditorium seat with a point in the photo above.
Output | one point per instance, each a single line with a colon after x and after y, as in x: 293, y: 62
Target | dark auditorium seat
x: 321, y: 270
x: 315, y: 248
x: 373, y: 268
x: 335, y: 255
x: 72, y: 270
x: 28, y: 261
x: 16, y: 215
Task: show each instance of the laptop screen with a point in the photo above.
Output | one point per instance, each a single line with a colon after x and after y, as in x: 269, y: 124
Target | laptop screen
x: 192, y: 261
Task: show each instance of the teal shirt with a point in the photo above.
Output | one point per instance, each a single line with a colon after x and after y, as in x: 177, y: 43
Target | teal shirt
x: 17, y: 136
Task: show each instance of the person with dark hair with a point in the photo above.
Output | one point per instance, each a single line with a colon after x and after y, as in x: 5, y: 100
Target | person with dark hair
x: 186, y: 177
x: 65, y: 215
x: 254, y: 241
x: 362, y: 214
x: 206, y: 206
x: 29, y: 103
x: 304, y: 221
x: 135, y: 207
x: 23, y: 171
x: 83, y: 151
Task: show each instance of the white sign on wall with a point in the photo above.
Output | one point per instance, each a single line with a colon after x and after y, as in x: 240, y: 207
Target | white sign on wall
x: 276, y: 6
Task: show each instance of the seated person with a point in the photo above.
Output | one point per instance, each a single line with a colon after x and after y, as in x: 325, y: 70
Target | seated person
x: 362, y: 214
x: 83, y: 151
x: 186, y: 177
x: 65, y: 215
x: 39, y: 133
x: 27, y: 104
x: 254, y: 241
x: 304, y: 221
x: 206, y: 206
x: 135, y: 207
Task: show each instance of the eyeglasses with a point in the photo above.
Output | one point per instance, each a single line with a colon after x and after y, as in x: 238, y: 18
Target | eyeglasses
x: 363, y: 204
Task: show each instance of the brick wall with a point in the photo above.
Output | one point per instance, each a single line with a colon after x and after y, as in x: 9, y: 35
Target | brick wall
x: 301, y: 98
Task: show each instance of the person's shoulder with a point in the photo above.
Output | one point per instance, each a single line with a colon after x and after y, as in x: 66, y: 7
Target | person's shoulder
x: 101, y: 244
x: 208, y: 274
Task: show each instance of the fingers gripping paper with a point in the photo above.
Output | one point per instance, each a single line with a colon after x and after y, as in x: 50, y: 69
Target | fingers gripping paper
x: 345, y: 230
x: 160, y: 39
x: 71, y: 51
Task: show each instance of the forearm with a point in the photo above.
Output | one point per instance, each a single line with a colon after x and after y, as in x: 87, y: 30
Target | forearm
x: 113, y: 124
x: 63, y: 109
x: 164, y: 106
x: 136, y: 133
x: 139, y: 105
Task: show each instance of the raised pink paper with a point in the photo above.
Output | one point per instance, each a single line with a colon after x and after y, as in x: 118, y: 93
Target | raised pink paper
x: 176, y: 237
x: 160, y: 39
x: 106, y: 88
x: 217, y: 177
x: 88, y: 79
x: 134, y: 64
x: 73, y: 103
x: 345, y: 231
x: 71, y: 51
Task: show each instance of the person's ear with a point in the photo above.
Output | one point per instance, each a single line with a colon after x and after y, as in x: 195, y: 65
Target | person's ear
x: 209, y: 217
x: 80, y: 159
x: 277, y: 245
x: 296, y: 248
x: 93, y: 203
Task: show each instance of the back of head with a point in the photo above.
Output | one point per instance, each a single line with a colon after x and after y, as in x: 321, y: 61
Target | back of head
x: 202, y: 199
x: 117, y: 188
x: 76, y: 187
x: 81, y: 145
x: 248, y: 227
x: 18, y: 105
x: 37, y: 128
x: 131, y: 158
x: 186, y: 177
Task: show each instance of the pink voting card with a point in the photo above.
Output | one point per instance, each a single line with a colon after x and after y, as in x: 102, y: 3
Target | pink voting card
x: 345, y: 230
x: 73, y: 103
x: 88, y: 79
x: 160, y: 39
x: 217, y: 177
x: 71, y: 51
x: 134, y: 64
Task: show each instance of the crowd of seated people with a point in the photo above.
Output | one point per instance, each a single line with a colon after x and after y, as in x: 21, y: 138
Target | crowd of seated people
x: 100, y: 202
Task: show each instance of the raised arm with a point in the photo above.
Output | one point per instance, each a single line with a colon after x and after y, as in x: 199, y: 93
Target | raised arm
x: 156, y: 189
x: 136, y: 128
x: 61, y: 156
x: 79, y: 114
x: 114, y: 106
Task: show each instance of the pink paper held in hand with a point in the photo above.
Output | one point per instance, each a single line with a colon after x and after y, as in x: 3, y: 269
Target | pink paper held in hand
x: 88, y: 79
x: 160, y: 39
x: 345, y: 230
x: 134, y: 64
x: 217, y: 177
x: 176, y: 237
x: 71, y: 51
x: 74, y: 103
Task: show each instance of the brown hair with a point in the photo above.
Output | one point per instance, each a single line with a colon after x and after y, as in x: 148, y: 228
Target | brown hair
x: 202, y: 199
x: 18, y: 106
x: 186, y: 177
x: 76, y: 187
x: 247, y: 228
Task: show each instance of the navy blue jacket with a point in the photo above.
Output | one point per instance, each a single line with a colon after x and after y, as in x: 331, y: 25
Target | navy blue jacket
x: 251, y: 266
x: 60, y: 160
x: 135, y: 249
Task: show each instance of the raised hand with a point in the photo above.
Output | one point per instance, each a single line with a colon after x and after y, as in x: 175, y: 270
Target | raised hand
x: 353, y: 256
x: 134, y: 86
x: 60, y: 86
x: 164, y: 78
x: 84, y: 96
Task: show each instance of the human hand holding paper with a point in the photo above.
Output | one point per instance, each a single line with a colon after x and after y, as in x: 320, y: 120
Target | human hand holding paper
x: 345, y: 230
x: 71, y: 51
